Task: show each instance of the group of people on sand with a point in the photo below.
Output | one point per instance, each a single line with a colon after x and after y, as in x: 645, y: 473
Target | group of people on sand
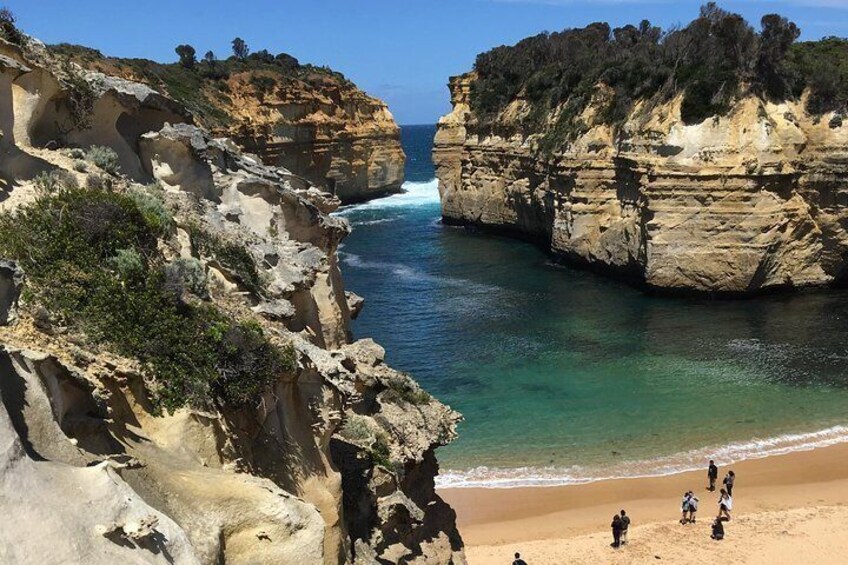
x: 725, y: 499
x: 689, y: 508
x: 620, y: 526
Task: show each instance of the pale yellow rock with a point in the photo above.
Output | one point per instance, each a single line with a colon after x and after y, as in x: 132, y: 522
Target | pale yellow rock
x: 737, y: 204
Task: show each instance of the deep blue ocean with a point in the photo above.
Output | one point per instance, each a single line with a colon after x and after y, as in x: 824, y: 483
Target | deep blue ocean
x: 565, y: 376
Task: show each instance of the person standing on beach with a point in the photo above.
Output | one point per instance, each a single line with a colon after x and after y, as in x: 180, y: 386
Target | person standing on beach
x: 712, y: 475
x: 728, y: 482
x: 725, y: 505
x: 616, y: 531
x: 684, y: 508
x: 693, y: 506
x: 625, y: 525
x: 518, y: 560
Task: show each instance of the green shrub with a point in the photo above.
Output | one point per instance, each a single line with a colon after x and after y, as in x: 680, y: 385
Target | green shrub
x: 99, y: 182
x: 54, y: 181
x: 105, y: 158
x: 8, y: 29
x: 152, y: 206
x: 380, y: 452
x: 355, y: 428
x: 186, y: 274
x: 402, y: 390
x: 233, y: 257
x: 91, y: 259
x: 80, y: 166
x: 128, y: 264
x: 711, y: 62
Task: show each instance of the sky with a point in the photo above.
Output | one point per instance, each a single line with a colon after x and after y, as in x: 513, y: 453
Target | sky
x: 401, y: 51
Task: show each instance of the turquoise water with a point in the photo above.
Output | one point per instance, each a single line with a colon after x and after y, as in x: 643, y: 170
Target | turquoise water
x: 564, y: 376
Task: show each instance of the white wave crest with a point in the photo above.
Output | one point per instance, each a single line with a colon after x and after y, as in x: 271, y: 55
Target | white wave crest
x: 374, y: 222
x: 414, y: 194
x: 407, y: 273
x: 694, y: 460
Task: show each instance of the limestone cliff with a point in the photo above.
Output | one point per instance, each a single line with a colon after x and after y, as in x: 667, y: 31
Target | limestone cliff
x: 332, y: 460
x: 310, y: 120
x: 751, y: 199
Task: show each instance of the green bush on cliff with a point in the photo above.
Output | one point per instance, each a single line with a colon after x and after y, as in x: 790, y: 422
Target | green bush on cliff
x: 105, y: 158
x: 202, y: 87
x: 711, y: 62
x: 234, y: 258
x: 91, y: 260
x: 150, y: 203
x: 403, y: 391
x: 8, y: 28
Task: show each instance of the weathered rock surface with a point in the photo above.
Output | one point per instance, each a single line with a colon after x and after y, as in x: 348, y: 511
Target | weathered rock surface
x: 311, y: 121
x: 751, y: 201
x: 334, y: 135
x: 335, y: 464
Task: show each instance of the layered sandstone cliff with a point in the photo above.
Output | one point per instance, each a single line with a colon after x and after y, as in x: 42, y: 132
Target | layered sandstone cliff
x: 744, y: 202
x: 334, y: 460
x: 307, y: 119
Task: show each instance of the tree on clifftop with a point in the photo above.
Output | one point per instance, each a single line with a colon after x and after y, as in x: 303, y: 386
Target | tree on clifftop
x: 240, y: 49
x: 8, y: 29
x: 187, y: 56
x: 210, y: 58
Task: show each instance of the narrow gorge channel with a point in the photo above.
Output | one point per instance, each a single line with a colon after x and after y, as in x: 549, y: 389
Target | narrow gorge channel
x: 564, y: 376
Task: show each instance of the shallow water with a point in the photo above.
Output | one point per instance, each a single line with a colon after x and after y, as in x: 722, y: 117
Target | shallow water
x: 565, y: 376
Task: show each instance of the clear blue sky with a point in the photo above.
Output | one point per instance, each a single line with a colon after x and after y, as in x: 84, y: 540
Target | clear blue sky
x: 402, y: 51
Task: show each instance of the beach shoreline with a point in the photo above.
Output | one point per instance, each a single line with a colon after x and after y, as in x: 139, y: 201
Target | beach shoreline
x: 555, y: 521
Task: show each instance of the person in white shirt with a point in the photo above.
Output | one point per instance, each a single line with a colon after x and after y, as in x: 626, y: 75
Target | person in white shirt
x: 693, y: 506
x: 725, y: 505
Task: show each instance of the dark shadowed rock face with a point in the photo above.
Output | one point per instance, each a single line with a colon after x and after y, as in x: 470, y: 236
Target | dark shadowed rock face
x: 751, y: 201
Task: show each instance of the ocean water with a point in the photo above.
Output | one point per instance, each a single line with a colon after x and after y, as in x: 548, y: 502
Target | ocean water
x: 564, y: 376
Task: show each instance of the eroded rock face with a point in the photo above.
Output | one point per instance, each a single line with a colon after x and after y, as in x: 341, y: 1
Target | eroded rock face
x: 311, y: 121
x: 334, y: 464
x: 336, y: 136
x: 751, y: 201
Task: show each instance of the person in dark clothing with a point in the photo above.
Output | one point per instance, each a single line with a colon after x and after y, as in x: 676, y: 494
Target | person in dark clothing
x: 616, y: 531
x: 718, y: 530
x: 712, y: 475
x: 518, y: 560
x: 625, y: 525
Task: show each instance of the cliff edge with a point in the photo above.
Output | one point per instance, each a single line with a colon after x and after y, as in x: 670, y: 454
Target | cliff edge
x: 179, y: 383
x: 708, y: 159
x: 310, y: 120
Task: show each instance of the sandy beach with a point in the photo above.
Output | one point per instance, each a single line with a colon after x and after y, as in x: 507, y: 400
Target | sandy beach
x: 787, y: 509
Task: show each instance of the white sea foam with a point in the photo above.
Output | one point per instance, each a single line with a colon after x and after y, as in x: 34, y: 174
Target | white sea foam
x: 414, y: 194
x: 374, y: 222
x: 693, y: 460
x: 408, y: 273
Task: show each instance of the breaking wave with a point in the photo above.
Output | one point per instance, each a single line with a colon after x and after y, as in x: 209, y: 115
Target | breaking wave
x: 414, y: 194
x: 694, y: 460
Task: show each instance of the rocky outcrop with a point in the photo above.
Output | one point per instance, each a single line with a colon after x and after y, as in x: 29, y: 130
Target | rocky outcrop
x: 334, y: 463
x: 746, y: 202
x: 332, y: 134
x: 309, y: 120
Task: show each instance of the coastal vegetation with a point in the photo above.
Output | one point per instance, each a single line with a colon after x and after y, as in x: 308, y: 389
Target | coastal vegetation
x: 92, y: 264
x: 206, y: 86
x: 716, y: 59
